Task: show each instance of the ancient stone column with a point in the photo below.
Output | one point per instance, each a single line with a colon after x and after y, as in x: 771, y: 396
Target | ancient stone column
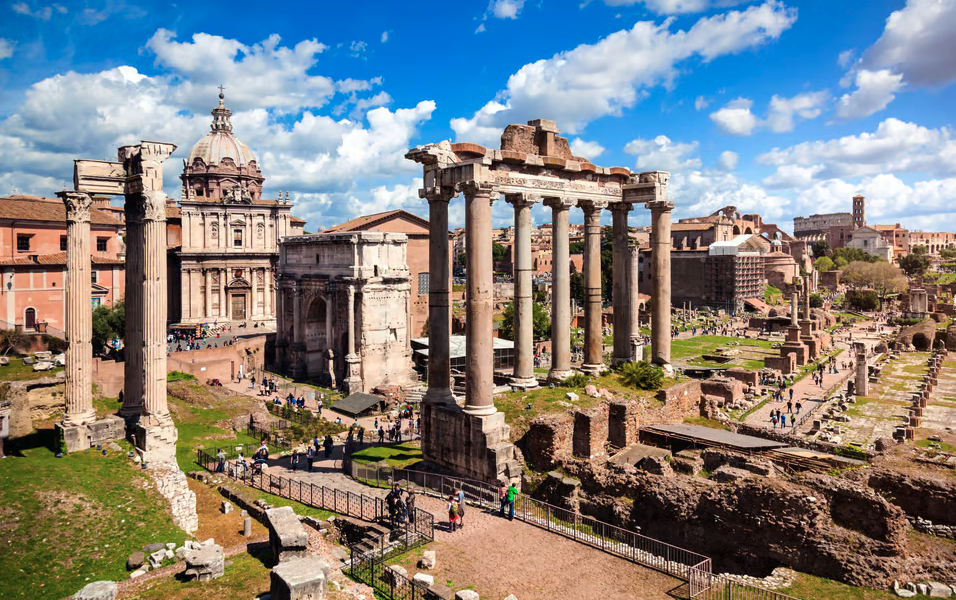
x: 133, y: 343
x: 794, y: 300
x: 479, y: 306
x: 862, y: 371
x: 297, y: 368
x: 353, y: 381
x: 634, y: 303
x: 154, y: 307
x: 560, y: 290
x: 661, y: 302
x: 439, y: 304
x: 620, y: 273
x: 523, y: 308
x: 593, y: 334
x: 79, y: 318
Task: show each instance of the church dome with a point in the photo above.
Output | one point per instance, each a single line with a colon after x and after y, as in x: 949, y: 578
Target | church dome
x: 220, y: 142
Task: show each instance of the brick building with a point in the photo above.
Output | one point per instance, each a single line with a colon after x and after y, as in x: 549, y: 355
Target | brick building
x: 33, y: 261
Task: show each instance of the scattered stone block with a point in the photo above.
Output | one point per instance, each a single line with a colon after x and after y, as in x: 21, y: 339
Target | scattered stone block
x: 591, y: 391
x: 226, y: 507
x: 511, y: 597
x: 135, y: 561
x: 727, y: 474
x: 939, y: 590
x: 571, y: 396
x: 156, y: 558
x: 299, y: 578
x: 98, y: 590
x: 205, y: 564
x: 287, y: 535
x: 397, y: 575
x: 208, y: 542
x: 439, y: 592
x: 247, y: 527
x: 149, y: 549
x: 424, y: 579
x: 137, y: 573
x: 429, y: 560
x: 466, y: 595
x: 922, y: 588
x: 170, y: 546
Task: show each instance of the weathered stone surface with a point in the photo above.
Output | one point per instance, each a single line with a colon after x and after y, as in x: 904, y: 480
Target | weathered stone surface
x: 939, y: 590
x: 572, y: 396
x: 299, y: 578
x: 247, y: 526
x: 173, y: 485
x: 226, y: 507
x: 492, y: 456
x: 727, y: 474
x: 98, y: 590
x: 466, y: 595
x: 150, y: 548
x: 205, y: 564
x: 396, y: 575
x: 287, y: 535
x: 424, y: 579
x: 157, y: 558
x: 135, y: 561
x: 429, y: 559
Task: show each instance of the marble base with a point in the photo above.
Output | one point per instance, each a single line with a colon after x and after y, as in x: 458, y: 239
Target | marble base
x: 477, y: 447
x: 156, y: 442
x: 83, y: 437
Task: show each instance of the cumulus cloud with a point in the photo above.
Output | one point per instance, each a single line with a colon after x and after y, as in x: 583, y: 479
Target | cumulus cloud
x: 736, y: 118
x: 676, y: 7
x: 782, y: 111
x: 663, y: 154
x: 727, y: 161
x: 505, y: 9
x: 589, y: 150
x: 43, y: 13
x: 699, y: 193
x: 578, y: 86
x: 874, y: 91
x: 917, y: 43
x: 846, y: 58
x: 701, y: 103
x: 336, y: 166
x: 896, y: 146
x: 6, y: 48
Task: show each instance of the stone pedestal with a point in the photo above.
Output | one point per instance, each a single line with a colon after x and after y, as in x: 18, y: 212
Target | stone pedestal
x: 204, y: 564
x: 81, y: 437
x: 353, y: 383
x: 287, y: 535
x: 299, y: 579
x: 476, y: 446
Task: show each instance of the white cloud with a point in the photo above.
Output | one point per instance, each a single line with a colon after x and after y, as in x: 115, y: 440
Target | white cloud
x: 781, y: 113
x: 6, y: 48
x: 327, y: 161
x: 675, y: 7
x: 727, y: 161
x: 357, y: 49
x: 895, y: 147
x: 44, y: 13
x: 593, y: 80
x: 662, y: 154
x: 918, y: 43
x: 874, y: 91
x: 588, y: 150
x: 505, y: 9
x: 701, y: 103
x: 846, y: 58
x: 736, y: 118
x: 384, y: 36
x: 698, y: 193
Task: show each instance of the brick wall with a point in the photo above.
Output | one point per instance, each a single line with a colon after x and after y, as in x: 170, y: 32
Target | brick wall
x: 590, y: 431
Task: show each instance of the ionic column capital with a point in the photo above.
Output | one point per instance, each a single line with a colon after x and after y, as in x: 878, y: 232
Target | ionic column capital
x: 479, y: 188
x: 660, y: 206
x: 559, y: 203
x: 77, y: 205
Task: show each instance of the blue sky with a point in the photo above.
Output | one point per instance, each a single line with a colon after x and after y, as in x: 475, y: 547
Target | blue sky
x: 778, y: 107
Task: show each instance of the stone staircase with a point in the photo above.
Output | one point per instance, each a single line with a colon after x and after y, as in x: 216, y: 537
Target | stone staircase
x: 372, y: 539
x: 415, y: 394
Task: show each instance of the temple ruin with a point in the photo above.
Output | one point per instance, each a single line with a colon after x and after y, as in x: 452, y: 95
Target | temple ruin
x: 533, y: 165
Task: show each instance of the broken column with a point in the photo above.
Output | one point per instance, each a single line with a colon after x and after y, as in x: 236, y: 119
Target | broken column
x: 593, y: 331
x: 560, y: 290
x: 299, y: 579
x: 621, y: 273
x: 862, y: 374
x: 523, y: 307
x: 287, y: 535
x: 204, y: 563
x: 661, y: 301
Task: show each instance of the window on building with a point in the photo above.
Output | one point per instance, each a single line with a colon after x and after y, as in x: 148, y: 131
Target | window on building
x: 237, y: 238
x: 93, y: 275
x: 423, y: 284
x: 23, y: 242
x: 62, y: 243
x: 101, y: 244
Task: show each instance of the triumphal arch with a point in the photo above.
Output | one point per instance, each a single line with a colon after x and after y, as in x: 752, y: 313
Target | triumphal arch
x: 533, y: 165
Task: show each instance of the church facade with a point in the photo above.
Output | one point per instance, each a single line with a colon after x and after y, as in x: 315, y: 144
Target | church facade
x: 224, y: 270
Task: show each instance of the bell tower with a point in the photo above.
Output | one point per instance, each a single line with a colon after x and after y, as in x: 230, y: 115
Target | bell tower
x: 859, y: 211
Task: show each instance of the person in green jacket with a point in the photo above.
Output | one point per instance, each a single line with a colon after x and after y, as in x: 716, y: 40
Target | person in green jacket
x: 512, y: 494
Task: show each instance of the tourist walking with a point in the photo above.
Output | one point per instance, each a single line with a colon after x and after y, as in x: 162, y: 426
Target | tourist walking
x: 512, y: 494
x: 503, y: 499
x: 410, y: 504
x: 309, y: 457
x: 461, y: 508
x: 221, y: 465
x: 452, y: 514
x: 295, y: 458
x: 328, y: 443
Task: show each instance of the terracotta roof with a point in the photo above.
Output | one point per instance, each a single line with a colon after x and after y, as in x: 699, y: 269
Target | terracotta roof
x: 296, y: 220
x: 691, y: 226
x: 361, y: 223
x: 57, y: 258
x: 34, y: 208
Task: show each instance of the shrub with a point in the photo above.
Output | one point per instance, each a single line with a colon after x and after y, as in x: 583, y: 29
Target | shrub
x: 906, y: 322
x: 179, y: 376
x: 54, y: 344
x: 642, y: 375
x: 578, y: 380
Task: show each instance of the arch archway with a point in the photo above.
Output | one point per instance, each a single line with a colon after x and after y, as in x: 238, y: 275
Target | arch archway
x: 736, y: 230
x: 30, y: 318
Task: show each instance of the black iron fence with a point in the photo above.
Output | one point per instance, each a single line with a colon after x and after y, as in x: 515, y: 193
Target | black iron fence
x: 387, y: 583
x: 418, y: 531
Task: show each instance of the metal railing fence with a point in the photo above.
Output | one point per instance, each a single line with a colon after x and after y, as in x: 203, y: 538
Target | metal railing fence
x: 387, y: 584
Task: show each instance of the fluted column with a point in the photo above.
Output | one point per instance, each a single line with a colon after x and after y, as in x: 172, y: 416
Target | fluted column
x: 207, y: 284
x: 79, y: 319
x: 253, y: 295
x: 353, y: 380
x: 593, y: 334
x: 560, y: 290
x: 620, y: 296
x: 794, y: 300
x: 634, y: 300
x: 479, y: 306
x: 523, y: 308
x: 133, y: 343
x: 661, y: 302
x: 439, y: 305
x: 156, y: 410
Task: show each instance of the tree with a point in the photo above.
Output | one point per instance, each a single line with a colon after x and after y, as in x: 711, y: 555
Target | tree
x: 576, y: 248
x: 855, y: 254
x: 840, y: 262
x: 916, y: 263
x: 10, y: 339
x: 541, y: 322
x: 881, y: 277
x: 816, y: 301
x: 820, y: 248
x: 948, y: 253
x: 577, y: 288
x: 498, y: 252
x: 108, y: 323
x: 824, y: 264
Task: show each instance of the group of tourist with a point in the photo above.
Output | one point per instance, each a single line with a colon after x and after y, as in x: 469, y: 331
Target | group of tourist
x: 401, y: 511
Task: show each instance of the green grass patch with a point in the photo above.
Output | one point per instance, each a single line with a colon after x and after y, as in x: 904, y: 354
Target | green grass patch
x: 395, y: 455
x: 810, y: 587
x: 17, y: 371
x: 705, y: 422
x: 942, y: 445
x: 68, y: 521
x: 179, y: 376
